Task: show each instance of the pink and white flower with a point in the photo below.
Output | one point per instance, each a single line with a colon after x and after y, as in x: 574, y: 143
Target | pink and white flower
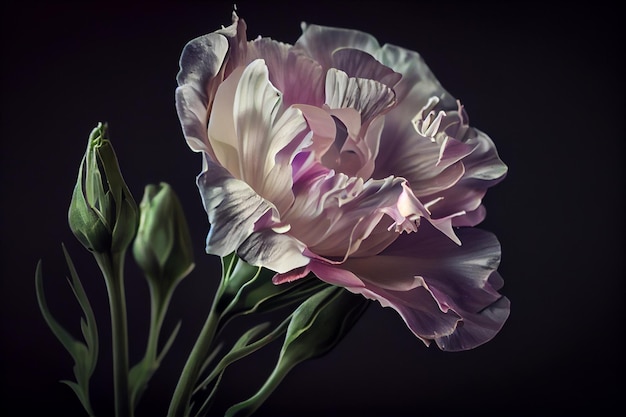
x: 346, y: 159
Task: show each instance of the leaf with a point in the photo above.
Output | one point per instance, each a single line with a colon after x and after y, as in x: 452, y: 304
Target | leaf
x: 240, y: 349
x: 169, y: 342
x: 89, y: 328
x: 84, y: 354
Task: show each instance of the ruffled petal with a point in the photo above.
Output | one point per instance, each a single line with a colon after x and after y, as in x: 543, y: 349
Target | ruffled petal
x: 418, y: 83
x: 483, y: 169
x: 232, y: 206
x: 478, y: 328
x: 319, y: 42
x: 345, y: 212
x: 297, y: 76
x: 199, y: 76
x: 360, y: 64
x: 405, y: 150
x: 465, y: 308
x: 253, y: 136
x: 415, y: 158
x: 370, y: 98
x: 263, y: 132
x: 418, y: 309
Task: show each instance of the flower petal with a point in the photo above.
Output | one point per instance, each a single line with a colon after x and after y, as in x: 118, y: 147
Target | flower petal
x: 418, y: 309
x: 360, y: 64
x: 199, y: 76
x: 232, y: 206
x: 461, y: 282
x: 277, y: 252
x: 477, y: 328
x: 346, y: 210
x: 483, y: 169
x: 297, y: 76
x: 418, y: 83
x: 335, y: 276
x: 253, y: 136
x: 369, y: 97
x: 319, y: 42
x: 403, y: 152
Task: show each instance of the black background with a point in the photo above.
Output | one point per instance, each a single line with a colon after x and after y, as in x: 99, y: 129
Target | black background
x: 545, y: 82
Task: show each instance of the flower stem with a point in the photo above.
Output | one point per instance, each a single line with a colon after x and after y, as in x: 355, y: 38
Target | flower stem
x: 248, y: 407
x: 159, y: 303
x: 179, y: 405
x: 112, y: 267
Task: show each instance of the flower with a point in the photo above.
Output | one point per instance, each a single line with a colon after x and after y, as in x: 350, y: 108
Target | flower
x: 349, y: 160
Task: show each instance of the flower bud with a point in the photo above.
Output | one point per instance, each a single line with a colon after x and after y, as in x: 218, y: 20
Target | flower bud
x: 163, y: 247
x: 102, y: 213
x: 320, y: 323
x: 316, y: 327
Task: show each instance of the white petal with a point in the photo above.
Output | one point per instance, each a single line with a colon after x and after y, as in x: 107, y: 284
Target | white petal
x: 369, y: 97
x: 278, y: 252
x: 232, y: 206
x: 264, y: 129
x: 201, y: 65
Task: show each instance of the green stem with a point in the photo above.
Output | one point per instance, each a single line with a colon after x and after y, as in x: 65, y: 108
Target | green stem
x: 112, y: 267
x: 248, y: 407
x: 159, y: 304
x: 179, y: 405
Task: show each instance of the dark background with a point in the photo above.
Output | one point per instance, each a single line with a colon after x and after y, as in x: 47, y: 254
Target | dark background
x: 545, y: 82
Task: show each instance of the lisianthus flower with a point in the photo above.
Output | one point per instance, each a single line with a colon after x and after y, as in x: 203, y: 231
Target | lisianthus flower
x: 346, y: 159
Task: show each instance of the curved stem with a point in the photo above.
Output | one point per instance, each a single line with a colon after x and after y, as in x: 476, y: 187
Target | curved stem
x: 248, y: 407
x: 112, y: 267
x: 159, y: 303
x: 179, y: 405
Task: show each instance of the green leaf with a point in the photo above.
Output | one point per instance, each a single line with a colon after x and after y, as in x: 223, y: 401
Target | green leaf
x: 84, y: 355
x: 169, y: 343
x: 240, y: 349
x: 88, y: 327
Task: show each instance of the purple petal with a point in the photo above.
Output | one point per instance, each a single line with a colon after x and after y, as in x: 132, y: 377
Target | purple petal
x: 446, y: 284
x: 346, y: 211
x: 477, y: 328
x: 403, y: 152
x: 483, y: 169
x: 360, y: 64
x: 297, y: 76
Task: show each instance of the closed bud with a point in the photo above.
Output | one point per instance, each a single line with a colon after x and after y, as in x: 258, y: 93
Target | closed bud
x: 102, y: 214
x: 320, y: 323
x: 163, y: 246
x: 316, y: 327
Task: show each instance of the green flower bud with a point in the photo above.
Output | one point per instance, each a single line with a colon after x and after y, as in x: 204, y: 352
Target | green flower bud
x: 320, y: 323
x: 316, y: 327
x: 163, y: 246
x: 102, y: 213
